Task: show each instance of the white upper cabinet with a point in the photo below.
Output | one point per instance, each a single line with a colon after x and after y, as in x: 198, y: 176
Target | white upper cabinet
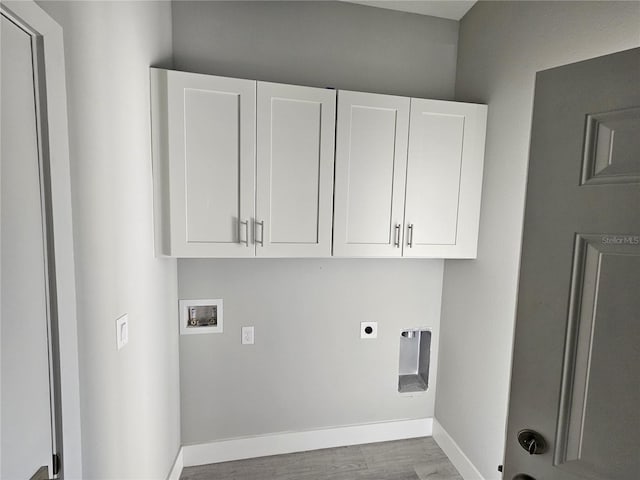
x: 371, y: 159
x: 245, y: 168
x: 241, y: 168
x: 209, y: 142
x: 420, y: 200
x: 295, y: 147
x: 444, y: 178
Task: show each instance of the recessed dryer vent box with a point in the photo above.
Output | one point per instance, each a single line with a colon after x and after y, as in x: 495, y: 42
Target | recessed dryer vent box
x: 200, y: 316
x: 415, y: 357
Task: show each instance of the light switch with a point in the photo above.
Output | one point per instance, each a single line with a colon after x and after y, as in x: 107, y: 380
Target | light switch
x: 122, y: 331
x: 247, y: 336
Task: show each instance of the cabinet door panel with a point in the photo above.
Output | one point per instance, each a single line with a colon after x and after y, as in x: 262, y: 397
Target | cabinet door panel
x: 212, y: 164
x: 212, y: 151
x: 370, y: 173
x: 444, y: 177
x: 433, y: 184
x: 295, y: 131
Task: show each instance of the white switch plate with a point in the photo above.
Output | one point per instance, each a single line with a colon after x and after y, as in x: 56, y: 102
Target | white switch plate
x: 368, y: 330
x: 247, y: 336
x: 122, y: 331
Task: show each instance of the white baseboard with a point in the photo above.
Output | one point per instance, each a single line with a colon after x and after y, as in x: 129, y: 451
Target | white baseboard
x: 455, y: 454
x: 178, y: 465
x: 290, y: 442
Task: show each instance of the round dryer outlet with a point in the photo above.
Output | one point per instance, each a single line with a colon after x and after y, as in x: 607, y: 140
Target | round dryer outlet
x: 368, y: 329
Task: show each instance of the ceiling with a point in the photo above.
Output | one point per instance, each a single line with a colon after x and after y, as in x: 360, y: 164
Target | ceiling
x: 452, y: 9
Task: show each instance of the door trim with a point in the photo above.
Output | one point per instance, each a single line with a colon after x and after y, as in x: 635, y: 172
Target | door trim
x: 50, y: 35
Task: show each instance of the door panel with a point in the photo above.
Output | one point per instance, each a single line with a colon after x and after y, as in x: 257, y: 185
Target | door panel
x: 577, y: 343
x: 26, y: 436
x: 212, y: 150
x: 371, y: 155
x: 444, y: 178
x: 212, y: 164
x: 603, y: 314
x: 433, y: 182
x: 371, y: 175
x: 294, y: 199
x: 610, y: 143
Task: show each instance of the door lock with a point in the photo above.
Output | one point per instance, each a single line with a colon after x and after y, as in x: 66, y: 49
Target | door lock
x: 532, y: 442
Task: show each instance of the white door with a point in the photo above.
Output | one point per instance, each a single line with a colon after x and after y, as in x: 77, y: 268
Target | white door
x: 444, y: 178
x: 371, y: 159
x: 295, y: 147
x: 211, y: 125
x: 26, y: 429
x: 574, y: 407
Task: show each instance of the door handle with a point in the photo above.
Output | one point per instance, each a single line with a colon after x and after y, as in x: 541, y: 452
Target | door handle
x: 532, y: 442
x: 410, y: 240
x: 397, y: 242
x: 261, y: 241
x: 246, y: 233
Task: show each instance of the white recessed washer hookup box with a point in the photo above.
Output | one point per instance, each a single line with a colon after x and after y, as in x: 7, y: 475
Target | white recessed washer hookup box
x: 200, y: 316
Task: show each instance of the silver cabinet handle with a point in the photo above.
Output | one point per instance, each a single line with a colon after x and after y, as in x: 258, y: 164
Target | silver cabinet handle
x: 410, y: 241
x: 397, y: 242
x: 261, y: 241
x: 246, y: 233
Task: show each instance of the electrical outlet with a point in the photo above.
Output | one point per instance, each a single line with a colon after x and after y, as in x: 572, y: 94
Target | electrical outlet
x: 369, y: 330
x: 247, y: 336
x: 122, y: 331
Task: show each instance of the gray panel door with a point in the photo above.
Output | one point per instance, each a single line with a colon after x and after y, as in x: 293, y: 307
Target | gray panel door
x: 576, y: 365
x: 26, y: 446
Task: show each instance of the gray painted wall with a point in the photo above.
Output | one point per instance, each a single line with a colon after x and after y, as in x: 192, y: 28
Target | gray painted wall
x: 308, y: 369
x: 502, y: 45
x: 130, y: 398
x: 323, y: 44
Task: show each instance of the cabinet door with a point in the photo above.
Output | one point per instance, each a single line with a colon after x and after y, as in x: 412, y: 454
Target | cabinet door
x: 211, y: 127
x: 444, y: 179
x: 294, y: 196
x: 371, y: 156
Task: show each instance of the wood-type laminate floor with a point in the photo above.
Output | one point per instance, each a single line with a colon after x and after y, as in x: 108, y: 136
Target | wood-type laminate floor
x: 415, y: 459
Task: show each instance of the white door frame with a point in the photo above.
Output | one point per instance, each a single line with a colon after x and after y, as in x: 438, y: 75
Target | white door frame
x: 29, y: 13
